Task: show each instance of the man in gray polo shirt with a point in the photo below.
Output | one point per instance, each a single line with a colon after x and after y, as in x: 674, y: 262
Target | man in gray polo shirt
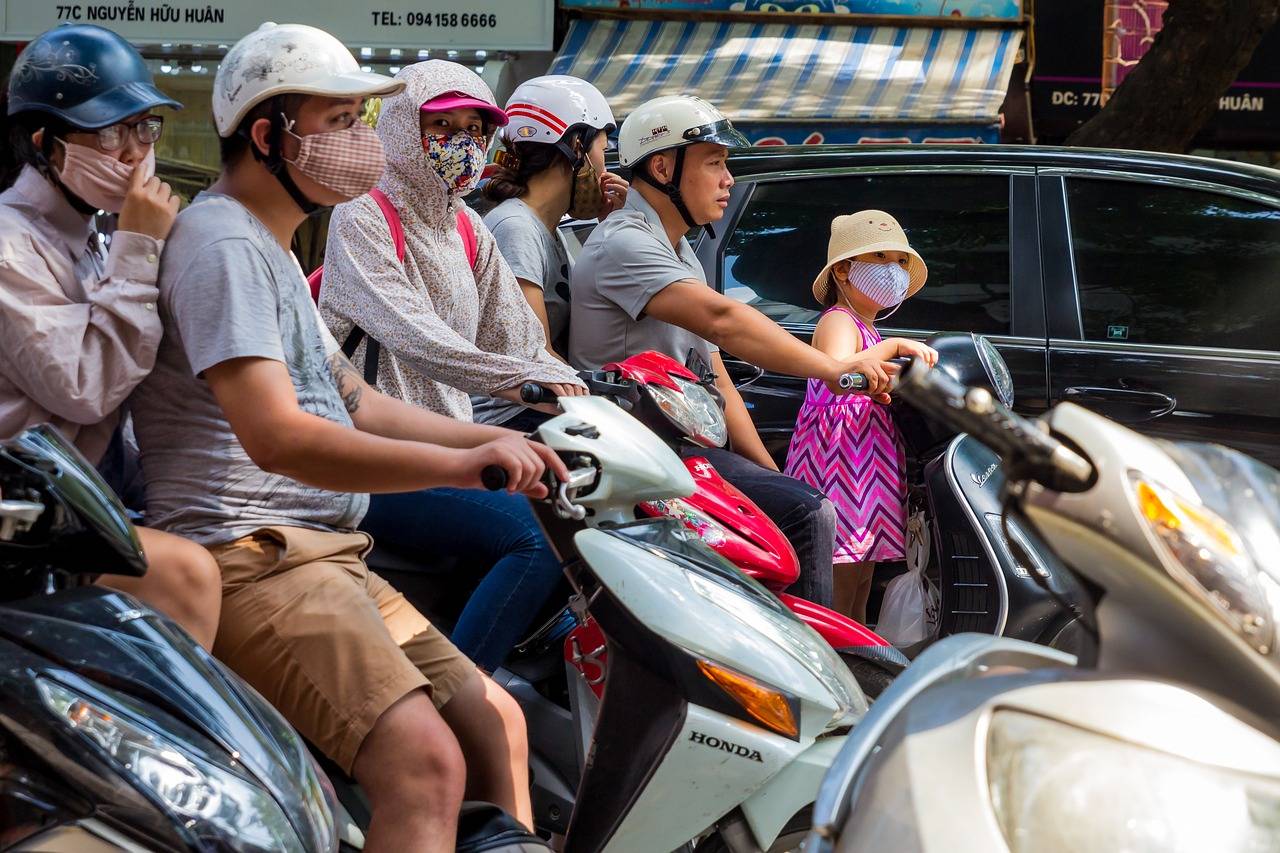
x: 638, y: 286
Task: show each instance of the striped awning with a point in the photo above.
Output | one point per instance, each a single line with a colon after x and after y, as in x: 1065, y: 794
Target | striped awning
x: 797, y: 72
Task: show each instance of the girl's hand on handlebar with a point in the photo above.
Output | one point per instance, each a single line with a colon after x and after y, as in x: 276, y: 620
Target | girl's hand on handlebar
x: 914, y: 349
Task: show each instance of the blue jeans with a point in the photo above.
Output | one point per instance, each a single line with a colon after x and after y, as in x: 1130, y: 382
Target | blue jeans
x: 491, y: 528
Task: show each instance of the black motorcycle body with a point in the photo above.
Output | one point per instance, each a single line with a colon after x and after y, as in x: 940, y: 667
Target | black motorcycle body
x: 986, y: 584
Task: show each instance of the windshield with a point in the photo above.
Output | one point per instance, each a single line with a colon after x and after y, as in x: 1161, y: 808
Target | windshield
x: 1241, y: 490
x: 675, y: 540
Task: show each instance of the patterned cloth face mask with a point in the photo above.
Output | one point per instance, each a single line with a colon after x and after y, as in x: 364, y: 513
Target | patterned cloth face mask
x: 348, y: 162
x: 884, y: 284
x: 457, y: 159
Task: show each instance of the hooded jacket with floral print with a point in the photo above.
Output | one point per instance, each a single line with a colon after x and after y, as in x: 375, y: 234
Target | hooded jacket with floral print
x: 446, y: 331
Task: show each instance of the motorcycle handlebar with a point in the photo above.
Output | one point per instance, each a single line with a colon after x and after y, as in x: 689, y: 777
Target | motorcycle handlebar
x: 858, y: 382
x: 852, y: 382
x: 493, y: 478
x: 1020, y: 442
x: 534, y: 394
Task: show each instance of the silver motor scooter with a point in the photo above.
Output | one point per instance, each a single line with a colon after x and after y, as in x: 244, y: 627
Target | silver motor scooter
x: 1179, y: 543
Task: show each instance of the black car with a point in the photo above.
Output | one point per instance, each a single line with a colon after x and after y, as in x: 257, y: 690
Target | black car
x: 1143, y: 286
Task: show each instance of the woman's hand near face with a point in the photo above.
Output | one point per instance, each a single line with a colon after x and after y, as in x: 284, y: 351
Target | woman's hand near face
x: 615, y: 191
x: 150, y: 207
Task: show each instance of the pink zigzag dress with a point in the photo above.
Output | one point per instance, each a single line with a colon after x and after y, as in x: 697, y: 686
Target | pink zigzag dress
x: 849, y: 448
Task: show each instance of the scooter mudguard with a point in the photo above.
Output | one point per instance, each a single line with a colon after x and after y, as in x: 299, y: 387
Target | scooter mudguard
x: 796, y: 786
x: 837, y: 629
x: 731, y: 525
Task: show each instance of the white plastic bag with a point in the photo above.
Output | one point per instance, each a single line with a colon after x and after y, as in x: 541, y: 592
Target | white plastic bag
x: 909, y: 613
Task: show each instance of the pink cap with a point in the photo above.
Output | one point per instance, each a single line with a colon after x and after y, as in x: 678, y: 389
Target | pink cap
x: 458, y: 101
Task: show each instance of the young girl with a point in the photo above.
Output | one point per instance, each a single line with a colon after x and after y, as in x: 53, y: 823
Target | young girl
x: 848, y: 446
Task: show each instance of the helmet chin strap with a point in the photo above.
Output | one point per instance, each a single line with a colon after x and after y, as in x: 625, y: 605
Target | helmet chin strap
x: 277, y: 166
x: 672, y: 191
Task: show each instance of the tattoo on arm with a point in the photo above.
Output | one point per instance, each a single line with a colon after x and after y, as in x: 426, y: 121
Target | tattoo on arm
x: 347, y: 378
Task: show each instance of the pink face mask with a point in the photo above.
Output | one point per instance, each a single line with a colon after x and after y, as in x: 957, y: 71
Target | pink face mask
x: 348, y: 161
x: 100, y: 179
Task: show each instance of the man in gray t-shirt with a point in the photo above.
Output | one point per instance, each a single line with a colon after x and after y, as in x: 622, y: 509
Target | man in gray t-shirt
x: 638, y: 286
x: 200, y: 481
x: 628, y: 260
x: 260, y: 440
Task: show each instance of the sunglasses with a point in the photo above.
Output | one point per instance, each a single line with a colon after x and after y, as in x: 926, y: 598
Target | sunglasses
x: 147, y: 131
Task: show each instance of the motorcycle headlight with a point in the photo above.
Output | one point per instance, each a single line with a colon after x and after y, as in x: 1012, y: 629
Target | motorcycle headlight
x: 1208, y: 558
x: 798, y: 639
x: 1056, y: 788
x: 221, y: 806
x: 693, y: 410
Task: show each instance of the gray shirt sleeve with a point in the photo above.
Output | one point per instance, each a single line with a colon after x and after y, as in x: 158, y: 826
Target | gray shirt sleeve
x: 216, y: 301
x: 521, y: 247
x: 634, y: 267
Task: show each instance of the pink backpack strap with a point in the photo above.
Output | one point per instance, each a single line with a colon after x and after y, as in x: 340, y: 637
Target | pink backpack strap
x: 393, y: 221
x: 468, y: 234
x: 392, y: 216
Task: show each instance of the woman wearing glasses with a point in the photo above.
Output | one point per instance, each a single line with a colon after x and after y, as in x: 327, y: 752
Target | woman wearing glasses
x: 446, y: 319
x: 78, y: 322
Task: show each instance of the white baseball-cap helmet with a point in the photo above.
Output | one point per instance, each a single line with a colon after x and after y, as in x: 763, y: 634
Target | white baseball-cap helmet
x: 278, y: 59
x: 673, y: 121
x: 545, y: 109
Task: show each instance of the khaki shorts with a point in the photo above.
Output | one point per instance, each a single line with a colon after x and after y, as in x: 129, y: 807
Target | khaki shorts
x: 326, y: 641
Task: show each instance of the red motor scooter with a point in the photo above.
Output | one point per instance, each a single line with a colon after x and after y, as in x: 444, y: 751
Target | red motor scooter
x: 683, y: 409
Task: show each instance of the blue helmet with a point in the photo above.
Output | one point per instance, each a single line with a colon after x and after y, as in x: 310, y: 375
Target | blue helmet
x: 85, y: 75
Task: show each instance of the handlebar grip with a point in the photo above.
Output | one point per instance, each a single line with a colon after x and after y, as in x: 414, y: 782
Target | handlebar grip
x: 852, y: 382
x: 534, y: 394
x: 493, y: 478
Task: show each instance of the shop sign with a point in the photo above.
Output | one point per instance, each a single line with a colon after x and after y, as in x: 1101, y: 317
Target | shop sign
x: 1000, y: 9
x: 459, y: 24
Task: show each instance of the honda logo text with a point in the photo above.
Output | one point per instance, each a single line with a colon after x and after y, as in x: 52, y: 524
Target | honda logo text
x: 726, y: 746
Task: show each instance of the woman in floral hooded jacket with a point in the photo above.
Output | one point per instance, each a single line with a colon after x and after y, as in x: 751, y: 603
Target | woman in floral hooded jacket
x: 445, y: 329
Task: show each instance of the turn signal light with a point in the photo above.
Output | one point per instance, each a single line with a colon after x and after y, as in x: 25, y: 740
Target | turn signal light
x: 766, y: 705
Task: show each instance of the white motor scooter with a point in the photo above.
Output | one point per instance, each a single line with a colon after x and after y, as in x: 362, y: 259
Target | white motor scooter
x: 721, y: 711
x: 1180, y: 544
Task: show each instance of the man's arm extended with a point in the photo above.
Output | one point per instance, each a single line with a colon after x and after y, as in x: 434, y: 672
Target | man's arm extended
x: 395, y: 447
x: 743, y: 331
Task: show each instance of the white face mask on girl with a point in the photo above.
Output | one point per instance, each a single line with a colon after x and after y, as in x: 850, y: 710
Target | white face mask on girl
x: 884, y: 284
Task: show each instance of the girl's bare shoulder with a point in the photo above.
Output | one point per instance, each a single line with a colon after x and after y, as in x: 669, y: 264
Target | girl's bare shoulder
x: 837, y: 335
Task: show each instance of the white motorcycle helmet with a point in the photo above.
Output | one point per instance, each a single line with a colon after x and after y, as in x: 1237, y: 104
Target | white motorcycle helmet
x: 673, y: 122
x: 283, y: 59
x: 547, y: 109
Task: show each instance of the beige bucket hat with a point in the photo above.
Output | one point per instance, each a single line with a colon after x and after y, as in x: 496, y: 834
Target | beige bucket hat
x: 868, y: 231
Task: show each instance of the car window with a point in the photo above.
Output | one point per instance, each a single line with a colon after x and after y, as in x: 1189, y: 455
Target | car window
x: 1165, y: 265
x: 958, y: 223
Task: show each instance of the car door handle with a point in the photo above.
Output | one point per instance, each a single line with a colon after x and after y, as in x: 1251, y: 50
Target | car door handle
x: 1122, y: 404
x: 741, y: 373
